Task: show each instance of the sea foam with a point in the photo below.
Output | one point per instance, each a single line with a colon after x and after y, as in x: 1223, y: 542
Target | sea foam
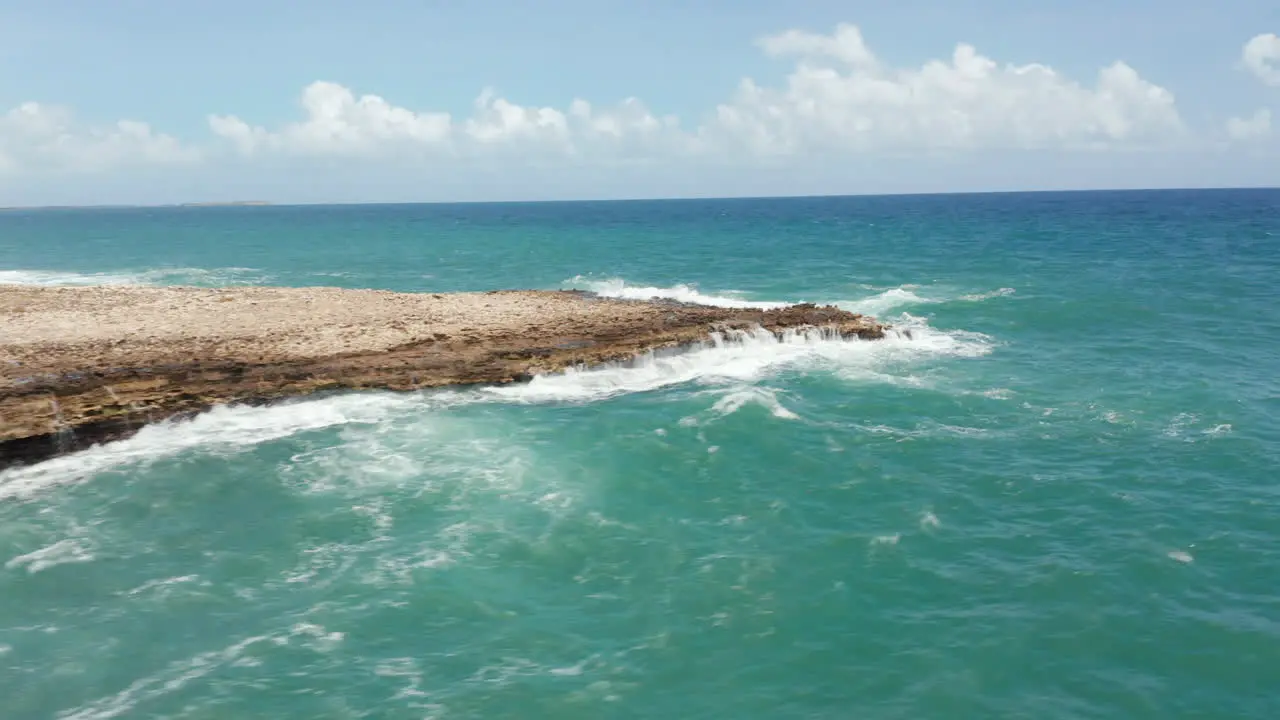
x: 734, y: 359
x: 202, y: 277
x: 619, y: 288
x: 880, y: 303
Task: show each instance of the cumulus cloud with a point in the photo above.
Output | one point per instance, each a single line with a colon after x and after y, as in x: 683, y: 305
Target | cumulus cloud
x: 336, y: 122
x: 1261, y: 56
x: 840, y: 97
x: 1253, y: 127
x: 845, y: 44
x: 497, y: 120
x: 837, y: 99
x: 628, y: 130
x: 339, y: 123
x: 40, y: 138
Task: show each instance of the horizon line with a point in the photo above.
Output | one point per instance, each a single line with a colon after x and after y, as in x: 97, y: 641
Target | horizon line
x: 339, y: 203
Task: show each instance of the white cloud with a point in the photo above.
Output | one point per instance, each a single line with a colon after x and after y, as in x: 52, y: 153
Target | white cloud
x: 339, y: 123
x: 1253, y: 127
x: 845, y: 44
x: 497, y: 120
x: 1261, y: 56
x: 840, y: 97
x: 628, y: 131
x: 40, y: 138
x: 837, y: 101
x: 628, y: 118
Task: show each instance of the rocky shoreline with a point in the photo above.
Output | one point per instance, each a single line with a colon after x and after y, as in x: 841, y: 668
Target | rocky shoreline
x: 85, y: 365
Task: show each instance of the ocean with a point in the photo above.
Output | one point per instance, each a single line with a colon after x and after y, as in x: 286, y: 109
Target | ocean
x: 1055, y: 497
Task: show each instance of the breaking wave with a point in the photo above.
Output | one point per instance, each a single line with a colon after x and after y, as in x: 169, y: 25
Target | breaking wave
x: 733, y: 360
x: 200, y: 277
x: 882, y: 303
x: 879, y: 304
x: 220, y: 430
x: 905, y: 296
x: 619, y: 288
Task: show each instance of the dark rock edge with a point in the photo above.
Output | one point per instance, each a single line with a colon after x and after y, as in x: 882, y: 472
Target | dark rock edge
x: 315, y: 378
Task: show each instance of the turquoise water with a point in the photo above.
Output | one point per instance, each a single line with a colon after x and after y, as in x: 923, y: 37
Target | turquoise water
x: 1056, y: 499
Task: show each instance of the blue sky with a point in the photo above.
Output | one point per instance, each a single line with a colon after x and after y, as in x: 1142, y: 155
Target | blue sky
x: 1187, y: 107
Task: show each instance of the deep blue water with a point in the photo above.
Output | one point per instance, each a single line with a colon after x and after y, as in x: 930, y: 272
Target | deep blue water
x: 1056, y: 499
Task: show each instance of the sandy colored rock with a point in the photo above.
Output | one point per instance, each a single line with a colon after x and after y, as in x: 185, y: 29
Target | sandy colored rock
x: 85, y: 364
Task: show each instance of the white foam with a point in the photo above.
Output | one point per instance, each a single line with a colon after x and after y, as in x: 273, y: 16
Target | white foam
x: 885, y: 301
x: 1188, y: 427
x: 738, y: 398
x: 49, y: 277
x: 882, y: 303
x: 905, y: 296
x: 222, y: 429
x: 618, y: 288
x: 735, y: 358
x: 910, y: 341
x: 162, y: 584
x: 176, y: 675
x: 214, y: 277
x: 314, y: 637
x: 925, y: 430
x: 62, y: 552
x: 979, y: 297
x: 738, y: 357
x: 421, y: 446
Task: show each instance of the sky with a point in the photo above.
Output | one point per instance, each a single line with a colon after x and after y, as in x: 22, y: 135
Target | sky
x: 164, y: 101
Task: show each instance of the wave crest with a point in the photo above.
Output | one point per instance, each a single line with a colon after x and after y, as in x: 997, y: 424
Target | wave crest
x: 885, y: 301
x: 619, y: 288
x: 199, y: 277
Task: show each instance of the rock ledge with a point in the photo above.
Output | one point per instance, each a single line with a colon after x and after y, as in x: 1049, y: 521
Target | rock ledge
x: 80, y: 366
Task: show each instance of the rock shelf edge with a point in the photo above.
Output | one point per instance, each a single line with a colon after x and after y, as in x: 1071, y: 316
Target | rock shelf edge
x: 84, y: 366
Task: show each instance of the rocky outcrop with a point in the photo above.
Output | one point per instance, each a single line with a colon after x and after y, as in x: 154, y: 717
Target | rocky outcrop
x: 80, y: 366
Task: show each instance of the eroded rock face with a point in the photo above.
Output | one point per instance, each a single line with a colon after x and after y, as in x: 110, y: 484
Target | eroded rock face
x: 79, y: 366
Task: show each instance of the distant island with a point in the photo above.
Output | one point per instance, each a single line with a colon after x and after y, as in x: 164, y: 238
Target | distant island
x: 232, y: 203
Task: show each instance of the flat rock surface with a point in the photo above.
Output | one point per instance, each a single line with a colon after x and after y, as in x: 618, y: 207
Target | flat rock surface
x: 276, y: 323
x: 102, y: 361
